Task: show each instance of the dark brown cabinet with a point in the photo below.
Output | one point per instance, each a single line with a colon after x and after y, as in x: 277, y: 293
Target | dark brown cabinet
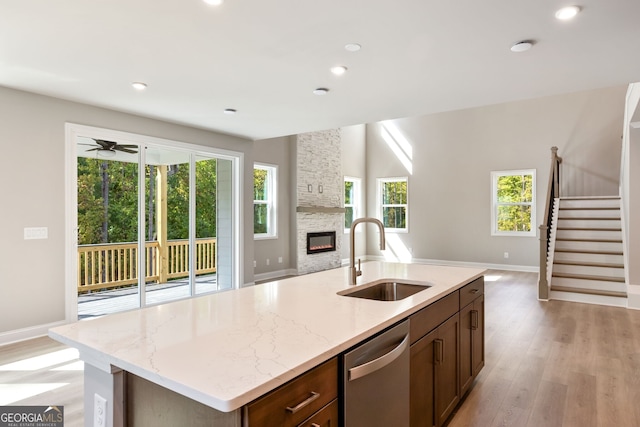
x: 447, y: 352
x: 471, y: 333
x: 435, y: 375
x: 307, y: 400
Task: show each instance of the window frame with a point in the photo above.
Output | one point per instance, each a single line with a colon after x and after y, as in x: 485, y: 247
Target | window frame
x: 495, y: 175
x: 356, y: 204
x: 380, y: 206
x: 271, y: 201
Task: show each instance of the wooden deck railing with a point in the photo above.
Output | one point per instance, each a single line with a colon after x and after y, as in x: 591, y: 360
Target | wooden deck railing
x: 111, y: 265
x: 553, y: 192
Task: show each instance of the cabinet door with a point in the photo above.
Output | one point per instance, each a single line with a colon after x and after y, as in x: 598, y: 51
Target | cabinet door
x: 446, y: 347
x: 466, y: 359
x: 477, y: 343
x: 422, y: 387
x: 471, y: 342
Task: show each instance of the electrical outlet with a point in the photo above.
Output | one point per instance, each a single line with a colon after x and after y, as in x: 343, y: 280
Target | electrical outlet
x: 99, y: 411
x: 268, y: 261
x: 279, y: 260
x: 255, y: 264
x: 506, y: 255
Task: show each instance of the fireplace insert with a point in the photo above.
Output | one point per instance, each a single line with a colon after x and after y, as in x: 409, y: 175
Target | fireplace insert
x: 321, y: 242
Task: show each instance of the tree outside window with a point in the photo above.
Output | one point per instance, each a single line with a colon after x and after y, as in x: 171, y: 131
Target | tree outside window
x: 513, y: 212
x: 264, y: 206
x: 351, y: 201
x: 393, y: 203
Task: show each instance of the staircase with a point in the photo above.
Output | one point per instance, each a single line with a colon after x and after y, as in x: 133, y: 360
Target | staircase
x: 588, y: 262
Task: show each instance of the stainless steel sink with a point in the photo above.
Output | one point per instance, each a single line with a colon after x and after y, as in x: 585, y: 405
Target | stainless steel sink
x: 386, y: 290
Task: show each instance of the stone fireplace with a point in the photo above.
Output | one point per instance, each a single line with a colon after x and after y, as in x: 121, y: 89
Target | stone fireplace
x: 319, y: 199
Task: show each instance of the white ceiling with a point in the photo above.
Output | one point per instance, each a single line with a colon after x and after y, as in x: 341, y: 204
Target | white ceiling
x: 264, y: 58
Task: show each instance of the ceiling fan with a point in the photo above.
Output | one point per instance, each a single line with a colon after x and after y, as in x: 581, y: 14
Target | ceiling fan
x: 109, y: 148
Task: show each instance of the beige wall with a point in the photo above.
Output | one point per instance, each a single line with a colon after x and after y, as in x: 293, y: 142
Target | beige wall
x: 354, y: 152
x: 276, y: 151
x: 454, y: 153
x: 32, y: 139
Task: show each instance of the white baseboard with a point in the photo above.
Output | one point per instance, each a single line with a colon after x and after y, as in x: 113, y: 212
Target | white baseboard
x: 506, y: 267
x: 274, y: 275
x: 11, y: 337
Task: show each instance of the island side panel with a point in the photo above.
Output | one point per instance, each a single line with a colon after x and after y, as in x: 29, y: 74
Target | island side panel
x: 99, y: 384
x: 149, y: 404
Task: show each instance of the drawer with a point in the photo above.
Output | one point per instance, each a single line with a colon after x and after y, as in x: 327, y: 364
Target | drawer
x: 433, y: 315
x: 294, y: 402
x: 471, y: 291
x: 327, y: 417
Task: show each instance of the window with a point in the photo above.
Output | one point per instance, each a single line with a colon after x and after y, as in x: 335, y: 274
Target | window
x: 264, y: 201
x: 393, y: 202
x: 513, y: 210
x: 351, y: 201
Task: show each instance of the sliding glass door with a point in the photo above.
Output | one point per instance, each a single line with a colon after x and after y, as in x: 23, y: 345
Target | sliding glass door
x: 155, y: 224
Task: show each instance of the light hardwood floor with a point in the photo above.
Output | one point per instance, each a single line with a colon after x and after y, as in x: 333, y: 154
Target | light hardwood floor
x: 547, y: 364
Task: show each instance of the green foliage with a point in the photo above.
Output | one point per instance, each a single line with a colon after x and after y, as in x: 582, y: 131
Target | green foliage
x: 515, y: 195
x: 348, y: 200
x: 122, y: 208
x: 260, y: 193
x: 394, y: 201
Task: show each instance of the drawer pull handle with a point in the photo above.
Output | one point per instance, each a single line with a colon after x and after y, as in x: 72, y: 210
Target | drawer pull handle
x: 315, y: 425
x: 474, y: 291
x: 439, y: 350
x: 304, y: 403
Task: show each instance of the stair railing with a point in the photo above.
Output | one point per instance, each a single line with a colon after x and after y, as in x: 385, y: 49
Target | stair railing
x: 553, y: 192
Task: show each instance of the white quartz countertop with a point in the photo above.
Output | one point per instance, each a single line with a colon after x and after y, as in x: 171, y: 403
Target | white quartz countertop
x: 226, y: 349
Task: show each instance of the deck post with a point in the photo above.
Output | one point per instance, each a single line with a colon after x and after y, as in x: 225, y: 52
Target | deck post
x: 161, y: 224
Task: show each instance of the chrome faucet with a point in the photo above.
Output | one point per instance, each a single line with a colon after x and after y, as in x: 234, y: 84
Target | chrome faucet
x: 355, y: 272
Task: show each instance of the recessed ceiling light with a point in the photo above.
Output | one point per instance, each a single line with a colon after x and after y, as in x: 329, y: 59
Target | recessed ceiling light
x: 339, y: 70
x: 352, y: 47
x: 321, y: 91
x: 214, y: 2
x: 567, y: 13
x: 139, y: 85
x: 522, y: 46
x: 230, y: 111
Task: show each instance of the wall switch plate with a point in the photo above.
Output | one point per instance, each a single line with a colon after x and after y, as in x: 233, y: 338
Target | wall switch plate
x: 268, y: 261
x: 255, y: 264
x: 279, y: 260
x: 99, y: 411
x: 506, y: 255
x: 32, y: 233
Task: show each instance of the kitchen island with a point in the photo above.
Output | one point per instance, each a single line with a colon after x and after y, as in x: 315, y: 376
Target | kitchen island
x: 225, y: 350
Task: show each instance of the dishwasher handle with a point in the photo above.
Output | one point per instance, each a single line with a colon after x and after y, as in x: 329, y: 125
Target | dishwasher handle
x: 379, y: 363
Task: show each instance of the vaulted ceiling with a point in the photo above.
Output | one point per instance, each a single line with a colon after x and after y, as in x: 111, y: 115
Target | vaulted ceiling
x: 265, y: 58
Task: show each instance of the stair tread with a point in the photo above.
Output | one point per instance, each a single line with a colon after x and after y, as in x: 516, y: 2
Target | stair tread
x: 589, y: 240
x: 588, y: 277
x: 588, y: 264
x: 591, y: 218
x: 586, y: 251
x: 589, y: 208
x: 589, y: 229
x: 589, y: 291
x: 590, y: 198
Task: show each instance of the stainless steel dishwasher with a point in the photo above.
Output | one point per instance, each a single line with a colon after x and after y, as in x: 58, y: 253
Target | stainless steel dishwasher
x: 376, y: 380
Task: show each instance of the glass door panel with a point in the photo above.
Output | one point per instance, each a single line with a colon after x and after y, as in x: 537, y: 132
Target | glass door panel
x: 107, y: 208
x: 167, y: 204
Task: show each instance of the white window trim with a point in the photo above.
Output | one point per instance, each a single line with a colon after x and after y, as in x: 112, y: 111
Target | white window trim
x: 494, y: 203
x: 272, y: 202
x: 357, y: 199
x: 379, y: 183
